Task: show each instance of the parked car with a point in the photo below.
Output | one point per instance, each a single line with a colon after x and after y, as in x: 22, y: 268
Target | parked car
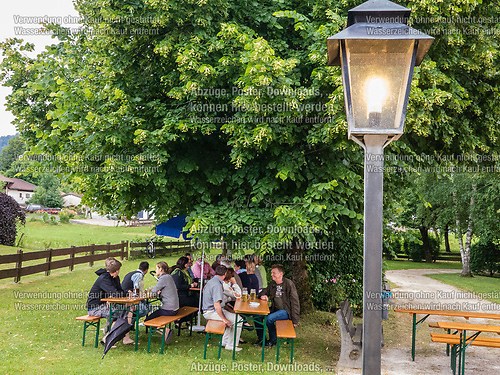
x: 33, y: 207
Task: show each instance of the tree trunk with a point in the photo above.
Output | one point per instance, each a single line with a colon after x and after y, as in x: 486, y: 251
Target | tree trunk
x: 300, y: 277
x: 447, y: 238
x: 465, y: 250
x: 466, y: 271
x: 424, y: 232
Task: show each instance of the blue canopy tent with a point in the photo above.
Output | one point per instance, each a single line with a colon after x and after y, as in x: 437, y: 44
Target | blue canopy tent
x: 173, y: 228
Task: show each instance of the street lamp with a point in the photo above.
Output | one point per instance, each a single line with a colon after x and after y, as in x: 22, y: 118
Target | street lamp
x: 377, y: 53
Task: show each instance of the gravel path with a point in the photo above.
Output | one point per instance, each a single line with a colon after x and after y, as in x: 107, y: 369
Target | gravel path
x: 411, y: 288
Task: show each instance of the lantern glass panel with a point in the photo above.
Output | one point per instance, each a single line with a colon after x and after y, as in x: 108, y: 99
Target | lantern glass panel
x: 379, y: 72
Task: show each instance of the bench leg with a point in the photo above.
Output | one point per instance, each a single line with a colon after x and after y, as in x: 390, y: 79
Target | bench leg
x: 291, y: 351
x: 84, y: 333
x: 220, y: 346
x: 86, y: 326
x: 278, y: 344
x: 98, y: 327
x: 464, y: 346
x: 413, y: 334
x: 206, y: 344
x: 453, y: 363
x: 150, y: 333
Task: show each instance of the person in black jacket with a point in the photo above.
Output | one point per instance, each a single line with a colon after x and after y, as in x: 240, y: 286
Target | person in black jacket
x: 106, y: 285
x: 183, y: 283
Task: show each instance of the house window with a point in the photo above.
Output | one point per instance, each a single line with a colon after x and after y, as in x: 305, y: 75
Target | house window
x: 20, y: 195
x: 27, y: 195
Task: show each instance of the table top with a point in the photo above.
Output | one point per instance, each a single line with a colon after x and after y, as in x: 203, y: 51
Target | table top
x: 123, y: 300
x: 464, y: 314
x: 469, y: 327
x: 241, y: 307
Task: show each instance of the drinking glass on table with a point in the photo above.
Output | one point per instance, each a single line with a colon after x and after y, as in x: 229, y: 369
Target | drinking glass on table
x: 244, y: 295
x: 253, y: 295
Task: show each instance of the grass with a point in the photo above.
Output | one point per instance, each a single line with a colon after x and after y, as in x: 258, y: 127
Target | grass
x: 408, y: 265
x: 484, y: 287
x: 37, y: 235
x: 42, y: 329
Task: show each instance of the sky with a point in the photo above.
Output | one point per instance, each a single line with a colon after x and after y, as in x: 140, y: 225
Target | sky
x: 16, y: 19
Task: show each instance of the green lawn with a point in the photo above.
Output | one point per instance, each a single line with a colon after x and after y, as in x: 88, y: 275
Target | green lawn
x: 37, y: 235
x: 485, y: 287
x: 408, y: 265
x: 42, y: 336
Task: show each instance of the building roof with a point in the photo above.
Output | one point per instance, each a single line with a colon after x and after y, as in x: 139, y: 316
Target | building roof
x: 17, y: 184
x: 70, y: 193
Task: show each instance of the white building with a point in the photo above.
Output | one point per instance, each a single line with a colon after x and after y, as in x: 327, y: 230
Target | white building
x: 18, y: 189
x: 71, y: 199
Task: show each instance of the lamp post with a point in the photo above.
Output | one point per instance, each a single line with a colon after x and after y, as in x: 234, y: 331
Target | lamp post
x: 377, y: 53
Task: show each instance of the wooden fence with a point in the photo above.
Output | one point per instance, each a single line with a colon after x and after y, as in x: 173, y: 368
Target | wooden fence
x: 91, y: 253
x: 138, y: 249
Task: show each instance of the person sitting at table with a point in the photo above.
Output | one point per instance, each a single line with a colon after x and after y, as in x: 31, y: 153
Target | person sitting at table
x: 133, y: 283
x: 260, y: 272
x: 190, y: 264
x: 246, y: 272
x: 213, y: 294
x: 184, y: 282
x: 169, y: 298
x: 208, y: 272
x: 231, y: 290
x: 107, y: 285
x: 285, y: 303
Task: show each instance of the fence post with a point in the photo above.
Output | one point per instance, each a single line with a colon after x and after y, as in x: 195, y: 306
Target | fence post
x: 108, y: 245
x: 128, y: 250
x: 49, y: 263
x: 92, y: 251
x: 122, y: 250
x: 72, y: 257
x: 19, y: 265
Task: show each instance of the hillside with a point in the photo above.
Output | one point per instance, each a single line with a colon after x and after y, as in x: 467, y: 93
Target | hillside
x: 4, y: 139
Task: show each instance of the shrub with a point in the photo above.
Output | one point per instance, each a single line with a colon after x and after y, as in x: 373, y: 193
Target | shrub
x: 391, y: 244
x: 413, y: 246
x: 10, y: 215
x: 65, y: 215
x: 49, y: 219
x: 485, y: 257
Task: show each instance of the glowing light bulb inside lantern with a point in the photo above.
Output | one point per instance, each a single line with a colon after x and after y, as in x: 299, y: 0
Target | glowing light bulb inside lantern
x: 376, y: 94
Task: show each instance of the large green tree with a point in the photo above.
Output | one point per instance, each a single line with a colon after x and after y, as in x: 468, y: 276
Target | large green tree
x: 47, y: 193
x: 11, y: 152
x: 227, y: 111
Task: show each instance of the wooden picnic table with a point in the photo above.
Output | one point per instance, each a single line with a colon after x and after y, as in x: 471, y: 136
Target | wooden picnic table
x: 464, y: 340
x: 451, y: 313
x: 243, y: 309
